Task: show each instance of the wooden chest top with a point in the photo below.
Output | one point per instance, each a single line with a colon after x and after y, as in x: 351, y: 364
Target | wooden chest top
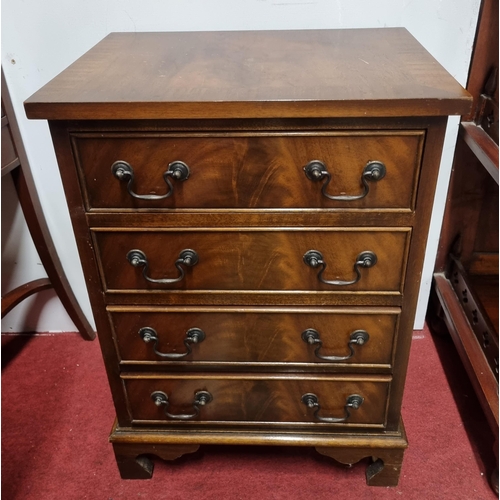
x: 252, y: 74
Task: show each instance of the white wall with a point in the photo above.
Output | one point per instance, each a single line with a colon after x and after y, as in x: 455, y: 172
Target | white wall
x: 40, y: 39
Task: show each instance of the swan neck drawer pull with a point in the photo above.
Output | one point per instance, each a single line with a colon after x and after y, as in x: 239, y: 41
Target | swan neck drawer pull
x: 353, y: 402
x: 193, y: 336
x: 311, y: 337
x: 188, y: 258
x: 314, y: 258
x: 124, y: 172
x: 316, y: 171
x: 201, y: 398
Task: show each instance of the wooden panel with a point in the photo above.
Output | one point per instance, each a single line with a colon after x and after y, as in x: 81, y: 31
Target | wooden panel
x: 487, y: 234
x: 476, y: 313
x: 462, y: 219
x: 482, y: 145
x: 244, y: 218
x: 250, y: 171
x: 259, y: 336
x: 485, y: 54
x: 471, y: 354
x: 254, y: 399
x: 253, y: 297
x: 486, y: 290
x: 324, y: 73
x: 254, y: 259
x: 485, y: 263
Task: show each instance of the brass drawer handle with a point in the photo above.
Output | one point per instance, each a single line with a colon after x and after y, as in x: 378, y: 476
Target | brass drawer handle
x: 193, y: 336
x: 201, y: 398
x: 314, y: 258
x: 124, y: 172
x: 358, y: 337
x: 354, y: 401
x: 316, y: 171
x: 188, y: 258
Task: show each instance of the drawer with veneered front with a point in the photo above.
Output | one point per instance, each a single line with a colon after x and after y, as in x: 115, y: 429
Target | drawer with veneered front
x: 345, y: 169
x: 253, y: 399
x: 264, y: 338
x: 344, y: 260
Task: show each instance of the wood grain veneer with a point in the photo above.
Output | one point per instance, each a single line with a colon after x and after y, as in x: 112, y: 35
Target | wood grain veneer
x: 250, y: 170
x: 244, y: 259
x: 265, y: 337
x: 257, y: 399
x: 259, y: 74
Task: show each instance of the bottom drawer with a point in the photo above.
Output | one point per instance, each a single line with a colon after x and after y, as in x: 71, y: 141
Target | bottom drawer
x: 256, y: 399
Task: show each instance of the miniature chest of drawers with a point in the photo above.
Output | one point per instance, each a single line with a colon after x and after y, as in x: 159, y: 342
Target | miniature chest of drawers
x: 251, y: 211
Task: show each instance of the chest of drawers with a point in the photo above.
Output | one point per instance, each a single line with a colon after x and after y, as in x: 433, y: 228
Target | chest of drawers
x: 251, y: 211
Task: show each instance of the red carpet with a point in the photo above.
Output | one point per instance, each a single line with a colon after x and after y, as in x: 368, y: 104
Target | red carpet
x: 57, y: 414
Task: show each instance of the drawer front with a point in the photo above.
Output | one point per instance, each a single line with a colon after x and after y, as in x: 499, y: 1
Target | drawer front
x: 249, y: 171
x: 255, y: 336
x: 253, y: 259
x: 254, y: 399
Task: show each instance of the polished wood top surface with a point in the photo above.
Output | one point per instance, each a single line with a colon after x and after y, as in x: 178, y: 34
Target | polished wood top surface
x: 252, y: 74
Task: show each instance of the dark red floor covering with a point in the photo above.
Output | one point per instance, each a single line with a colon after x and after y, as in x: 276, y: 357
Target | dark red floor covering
x: 57, y: 413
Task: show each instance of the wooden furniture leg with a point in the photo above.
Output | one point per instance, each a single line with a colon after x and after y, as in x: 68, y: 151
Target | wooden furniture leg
x: 16, y: 162
x: 14, y: 297
x: 133, y: 462
x: 384, y: 470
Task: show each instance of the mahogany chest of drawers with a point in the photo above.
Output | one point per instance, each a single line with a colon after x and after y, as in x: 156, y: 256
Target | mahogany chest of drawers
x: 251, y: 211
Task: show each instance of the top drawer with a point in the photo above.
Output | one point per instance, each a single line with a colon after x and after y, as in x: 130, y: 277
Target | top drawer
x: 249, y: 170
